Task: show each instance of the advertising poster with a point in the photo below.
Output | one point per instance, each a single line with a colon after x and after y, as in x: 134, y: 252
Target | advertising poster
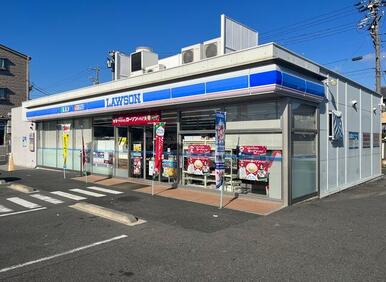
x: 169, y: 168
x: 103, y: 159
x: 136, y: 159
x: 353, y: 140
x: 159, y: 146
x: 198, y: 161
x: 137, y: 165
x: 376, y: 139
x: 253, y: 164
x: 220, y: 149
x: 366, y: 140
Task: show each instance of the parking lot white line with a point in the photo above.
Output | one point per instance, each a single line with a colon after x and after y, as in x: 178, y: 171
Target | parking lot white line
x: 108, y: 191
x: 62, y: 254
x: 47, y: 199
x: 89, y: 193
x: 24, y: 203
x: 68, y: 195
x: 4, y: 209
x: 13, y: 213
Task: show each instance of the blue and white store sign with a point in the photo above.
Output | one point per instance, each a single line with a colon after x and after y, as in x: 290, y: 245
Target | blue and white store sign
x: 235, y: 84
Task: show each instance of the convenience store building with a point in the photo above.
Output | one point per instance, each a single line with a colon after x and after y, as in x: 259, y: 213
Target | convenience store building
x: 294, y: 129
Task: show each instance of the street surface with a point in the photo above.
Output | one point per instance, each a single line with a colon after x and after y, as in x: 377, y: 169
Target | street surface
x: 341, y: 237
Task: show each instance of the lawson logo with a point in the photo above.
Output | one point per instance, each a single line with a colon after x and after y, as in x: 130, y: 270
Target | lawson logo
x: 123, y: 100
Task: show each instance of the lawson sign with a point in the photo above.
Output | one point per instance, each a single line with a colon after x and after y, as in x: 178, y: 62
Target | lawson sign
x: 123, y: 100
x: 246, y: 82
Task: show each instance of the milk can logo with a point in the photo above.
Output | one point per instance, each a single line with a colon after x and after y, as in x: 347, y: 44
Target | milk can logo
x: 124, y: 100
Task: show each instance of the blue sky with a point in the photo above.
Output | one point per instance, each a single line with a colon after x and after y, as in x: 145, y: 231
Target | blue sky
x: 65, y: 38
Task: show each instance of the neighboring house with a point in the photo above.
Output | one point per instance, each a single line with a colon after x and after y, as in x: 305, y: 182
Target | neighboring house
x: 14, y: 86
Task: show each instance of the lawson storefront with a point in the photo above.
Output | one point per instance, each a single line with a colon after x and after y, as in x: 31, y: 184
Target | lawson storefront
x: 117, y: 132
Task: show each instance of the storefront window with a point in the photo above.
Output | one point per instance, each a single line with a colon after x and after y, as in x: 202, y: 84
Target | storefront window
x: 50, y: 146
x: 198, y: 119
x: 40, y: 144
x: 304, y: 157
x: 82, y: 127
x: 103, y: 146
x: 254, y: 115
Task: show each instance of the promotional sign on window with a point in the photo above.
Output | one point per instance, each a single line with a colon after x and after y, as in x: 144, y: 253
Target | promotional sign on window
x: 198, y: 161
x: 252, y: 163
x: 220, y: 149
x: 353, y: 140
x: 136, y: 119
x: 159, y: 145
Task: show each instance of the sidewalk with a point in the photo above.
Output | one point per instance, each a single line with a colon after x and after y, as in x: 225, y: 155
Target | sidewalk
x: 255, y: 206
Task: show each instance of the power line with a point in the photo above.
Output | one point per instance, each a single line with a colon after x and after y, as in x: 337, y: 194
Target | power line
x: 316, y: 33
x: 311, y: 38
x: 306, y: 24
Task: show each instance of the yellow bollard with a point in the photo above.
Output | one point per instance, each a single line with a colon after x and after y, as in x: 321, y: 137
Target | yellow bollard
x: 11, y: 165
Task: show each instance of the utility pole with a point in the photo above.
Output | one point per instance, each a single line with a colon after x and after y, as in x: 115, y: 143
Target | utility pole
x: 95, y: 79
x: 373, y: 15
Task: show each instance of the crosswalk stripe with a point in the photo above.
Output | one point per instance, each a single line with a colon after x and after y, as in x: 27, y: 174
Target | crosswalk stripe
x: 87, y: 192
x: 100, y: 189
x: 23, y: 203
x: 4, y: 209
x: 47, y: 199
x: 68, y: 195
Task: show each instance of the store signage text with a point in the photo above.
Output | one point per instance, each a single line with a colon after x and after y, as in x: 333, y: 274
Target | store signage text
x: 136, y: 119
x: 124, y: 100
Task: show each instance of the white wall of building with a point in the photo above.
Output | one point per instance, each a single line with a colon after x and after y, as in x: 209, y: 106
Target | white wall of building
x: 341, y: 166
x: 23, y: 146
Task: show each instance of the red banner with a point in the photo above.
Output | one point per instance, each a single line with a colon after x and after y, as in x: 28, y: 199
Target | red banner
x: 253, y: 150
x: 159, y: 144
x: 136, y: 119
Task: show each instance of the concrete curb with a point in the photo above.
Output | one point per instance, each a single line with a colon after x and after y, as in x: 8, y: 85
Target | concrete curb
x: 121, y: 217
x: 22, y: 188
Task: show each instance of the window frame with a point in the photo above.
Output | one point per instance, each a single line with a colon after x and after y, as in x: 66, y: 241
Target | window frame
x: 3, y: 64
x: 5, y: 96
x: 330, y: 126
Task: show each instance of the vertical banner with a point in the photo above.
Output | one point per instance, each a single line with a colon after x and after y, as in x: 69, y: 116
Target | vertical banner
x: 66, y: 134
x: 66, y: 131
x: 220, y: 149
x: 159, y: 129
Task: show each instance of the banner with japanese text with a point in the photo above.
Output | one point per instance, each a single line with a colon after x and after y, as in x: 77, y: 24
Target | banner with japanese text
x: 159, y: 144
x: 66, y: 133
x: 220, y: 149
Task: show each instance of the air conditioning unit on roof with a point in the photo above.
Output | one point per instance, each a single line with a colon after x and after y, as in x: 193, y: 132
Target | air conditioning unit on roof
x: 212, y: 48
x: 191, y: 54
x: 155, y: 68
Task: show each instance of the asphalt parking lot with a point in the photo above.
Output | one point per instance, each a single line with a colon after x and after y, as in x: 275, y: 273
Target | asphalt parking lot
x: 341, y: 237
